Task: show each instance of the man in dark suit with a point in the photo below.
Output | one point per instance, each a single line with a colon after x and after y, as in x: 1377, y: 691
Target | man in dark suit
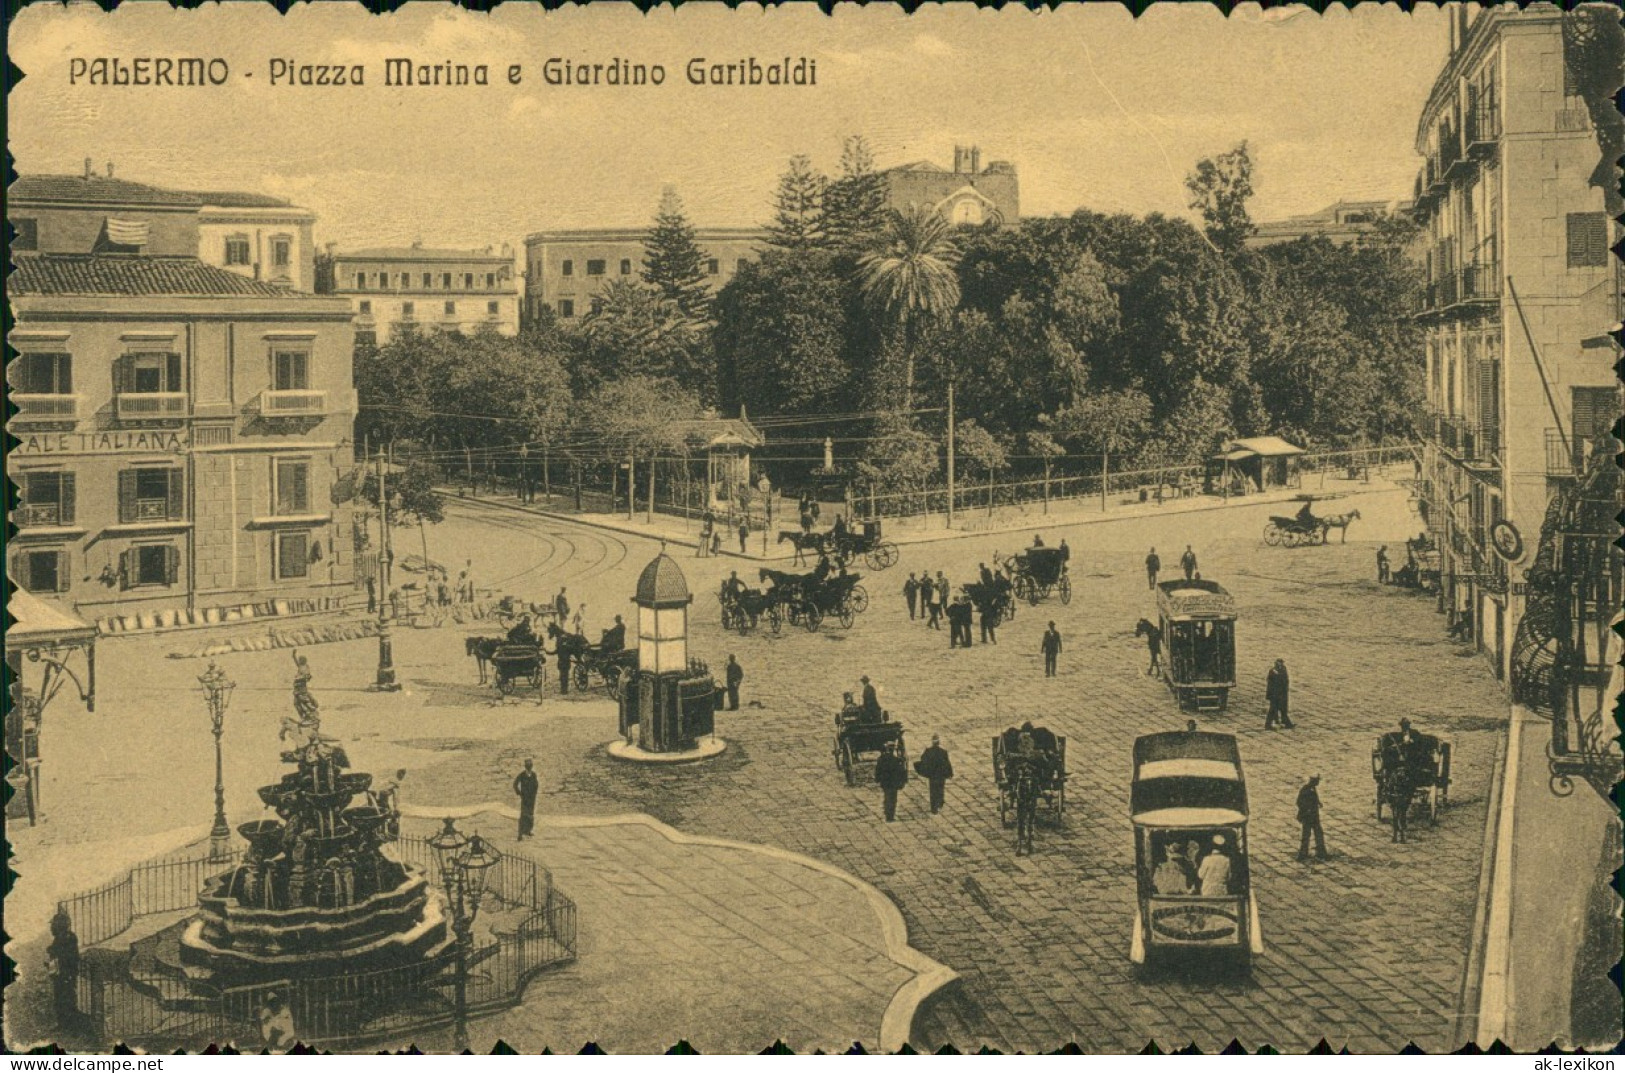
x: 1309, y: 819
x: 1051, y: 647
x: 911, y: 593
x: 1276, y: 690
x: 1187, y: 562
x: 1153, y: 564
x: 936, y: 769
x: 892, y: 775
x: 736, y: 674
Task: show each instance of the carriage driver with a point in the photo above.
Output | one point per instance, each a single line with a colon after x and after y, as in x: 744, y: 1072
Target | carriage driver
x: 521, y: 633
x: 871, y: 703
x: 1306, y: 514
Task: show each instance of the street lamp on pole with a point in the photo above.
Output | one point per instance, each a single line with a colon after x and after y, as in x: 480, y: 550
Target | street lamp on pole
x: 385, y: 680
x: 217, y: 694
x: 464, y: 864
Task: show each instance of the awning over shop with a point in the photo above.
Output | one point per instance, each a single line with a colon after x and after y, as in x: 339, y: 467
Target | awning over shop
x: 38, y: 623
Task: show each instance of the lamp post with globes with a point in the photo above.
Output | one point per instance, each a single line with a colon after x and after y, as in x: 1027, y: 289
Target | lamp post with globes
x: 217, y: 694
x: 464, y: 863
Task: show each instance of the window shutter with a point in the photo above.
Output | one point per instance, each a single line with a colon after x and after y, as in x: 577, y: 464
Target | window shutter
x: 177, y: 493
x: 121, y: 367
x: 64, y: 570
x: 126, y: 568
x: 172, y: 367
x: 126, y: 495
x: 1587, y: 239
x: 172, y: 564
x: 66, y: 491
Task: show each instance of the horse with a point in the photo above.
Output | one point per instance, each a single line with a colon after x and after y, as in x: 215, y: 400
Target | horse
x: 1146, y: 628
x: 1026, y: 783
x: 1339, y: 522
x: 804, y: 542
x: 482, y: 649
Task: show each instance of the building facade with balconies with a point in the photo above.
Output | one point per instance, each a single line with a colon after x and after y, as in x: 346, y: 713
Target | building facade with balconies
x: 1520, y: 295
x: 179, y: 426
x: 462, y: 291
x: 565, y: 271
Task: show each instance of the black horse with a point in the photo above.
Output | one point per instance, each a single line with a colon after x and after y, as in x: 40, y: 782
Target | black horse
x: 1027, y: 779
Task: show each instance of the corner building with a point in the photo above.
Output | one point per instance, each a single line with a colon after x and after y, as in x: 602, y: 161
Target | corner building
x: 180, y: 426
x: 1521, y: 292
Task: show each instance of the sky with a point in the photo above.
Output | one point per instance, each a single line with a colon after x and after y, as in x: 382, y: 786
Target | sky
x: 1095, y: 109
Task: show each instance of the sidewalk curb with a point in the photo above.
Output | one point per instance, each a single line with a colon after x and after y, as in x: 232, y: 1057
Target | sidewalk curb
x: 1494, y: 938
x: 1470, y: 994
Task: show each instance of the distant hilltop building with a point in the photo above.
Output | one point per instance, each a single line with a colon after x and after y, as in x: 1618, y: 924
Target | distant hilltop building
x: 1342, y: 222
x: 566, y: 270
x: 432, y: 289
x: 969, y: 194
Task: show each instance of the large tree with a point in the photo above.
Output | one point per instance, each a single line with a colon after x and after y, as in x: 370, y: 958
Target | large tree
x: 1111, y: 422
x: 636, y: 330
x: 909, y: 279
x: 780, y: 336
x: 1220, y: 188
x: 855, y: 203
x: 798, y: 208
x: 672, y: 259
x: 638, y: 417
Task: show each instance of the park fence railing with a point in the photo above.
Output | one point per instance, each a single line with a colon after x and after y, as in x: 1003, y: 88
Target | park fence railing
x: 137, y: 1004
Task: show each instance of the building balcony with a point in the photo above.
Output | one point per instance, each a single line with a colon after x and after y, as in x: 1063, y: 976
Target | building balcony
x: 1567, y: 455
x: 293, y: 403
x: 44, y: 409
x: 1483, y: 131
x: 1466, y: 440
x: 1480, y: 283
x: 42, y: 516
x: 150, y: 406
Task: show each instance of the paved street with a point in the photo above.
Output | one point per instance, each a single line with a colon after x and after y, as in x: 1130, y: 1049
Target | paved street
x: 1366, y: 950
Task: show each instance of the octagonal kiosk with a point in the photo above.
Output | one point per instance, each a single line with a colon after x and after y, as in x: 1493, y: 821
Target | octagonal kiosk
x: 668, y: 709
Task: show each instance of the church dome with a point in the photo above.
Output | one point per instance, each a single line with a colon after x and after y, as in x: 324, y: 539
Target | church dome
x: 662, y: 583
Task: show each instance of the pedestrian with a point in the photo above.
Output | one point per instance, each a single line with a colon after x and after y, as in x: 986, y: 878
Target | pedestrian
x: 1383, y: 573
x: 926, y: 585
x: 1153, y: 643
x: 372, y: 595
x: 716, y: 542
x: 467, y: 579
x: 744, y: 534
x: 443, y: 591
x: 1276, y: 691
x: 1187, y: 562
x: 936, y: 594
x: 936, y: 769
x: 62, y: 964
x: 1153, y: 565
x: 561, y: 608
x: 394, y: 603
x: 911, y: 593
x: 735, y: 675
x: 1066, y: 555
x: 1309, y: 819
x: 1051, y: 647
x: 525, y: 785
x: 953, y: 614
x: 892, y: 775
x: 990, y: 624
x: 563, y: 653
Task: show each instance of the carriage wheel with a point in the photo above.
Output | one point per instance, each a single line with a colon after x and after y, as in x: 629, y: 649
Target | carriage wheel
x: 505, y: 684
x: 812, y: 617
x: 1272, y: 534
x: 846, y: 616
x: 583, y: 677
x: 882, y: 555
x: 612, y: 679
x: 1060, y: 802
x: 1066, y: 590
x: 859, y: 599
x: 1379, y: 801
x: 995, y: 617
x: 775, y: 618
x: 1045, y: 590
x: 1004, y: 808
x: 847, y: 764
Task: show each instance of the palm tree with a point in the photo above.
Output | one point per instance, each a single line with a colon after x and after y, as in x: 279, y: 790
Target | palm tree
x: 910, y: 277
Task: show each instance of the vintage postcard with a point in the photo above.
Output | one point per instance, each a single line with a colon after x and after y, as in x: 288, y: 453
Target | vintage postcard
x: 735, y: 529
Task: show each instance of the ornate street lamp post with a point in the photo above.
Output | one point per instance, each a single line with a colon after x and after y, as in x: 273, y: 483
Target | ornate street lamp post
x: 464, y: 865
x: 217, y: 693
x: 385, y: 681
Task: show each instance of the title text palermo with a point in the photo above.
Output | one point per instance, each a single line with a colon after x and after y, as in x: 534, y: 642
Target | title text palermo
x: 616, y: 72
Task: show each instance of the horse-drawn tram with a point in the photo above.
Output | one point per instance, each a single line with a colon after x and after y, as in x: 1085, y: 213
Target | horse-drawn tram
x: 1199, y: 642
x: 1188, y: 804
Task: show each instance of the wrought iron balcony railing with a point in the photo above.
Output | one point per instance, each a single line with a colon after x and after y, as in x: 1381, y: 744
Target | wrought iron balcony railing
x: 1568, y: 455
x: 1480, y: 282
x: 1483, y: 128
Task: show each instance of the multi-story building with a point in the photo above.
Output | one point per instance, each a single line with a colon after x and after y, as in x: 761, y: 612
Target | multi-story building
x: 432, y: 289
x: 566, y: 270
x: 969, y: 194
x: 258, y: 236
x: 1521, y: 292
x: 179, y: 425
x: 1342, y: 223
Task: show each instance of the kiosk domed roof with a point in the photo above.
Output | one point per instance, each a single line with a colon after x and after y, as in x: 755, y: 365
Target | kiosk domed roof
x: 662, y: 582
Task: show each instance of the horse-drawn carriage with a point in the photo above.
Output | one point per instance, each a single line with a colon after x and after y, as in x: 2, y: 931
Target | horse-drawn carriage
x: 1414, y: 769
x: 509, y: 662
x: 1306, y: 527
x: 806, y: 600
x: 858, y: 734
x: 996, y: 601
x: 1029, y: 769
x: 1422, y: 565
x: 606, y: 660
x: 742, y: 607
x: 1198, y: 642
x: 843, y: 545
x: 1037, y: 572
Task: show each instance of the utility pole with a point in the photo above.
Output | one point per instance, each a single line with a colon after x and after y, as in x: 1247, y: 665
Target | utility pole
x: 386, y: 682
x: 950, y: 453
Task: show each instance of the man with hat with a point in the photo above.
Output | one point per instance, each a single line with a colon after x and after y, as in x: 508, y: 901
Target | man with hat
x: 892, y: 775
x: 936, y: 769
x: 1309, y: 819
x: 871, y: 703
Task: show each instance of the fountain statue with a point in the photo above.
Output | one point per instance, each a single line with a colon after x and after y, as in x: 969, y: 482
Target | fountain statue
x: 315, y: 894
